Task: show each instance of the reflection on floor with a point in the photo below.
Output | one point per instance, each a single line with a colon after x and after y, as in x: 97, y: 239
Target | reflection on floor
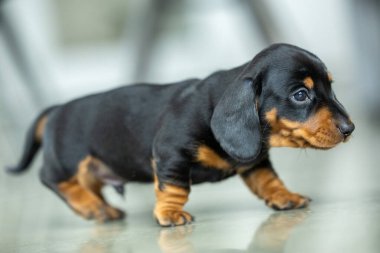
x: 343, y: 217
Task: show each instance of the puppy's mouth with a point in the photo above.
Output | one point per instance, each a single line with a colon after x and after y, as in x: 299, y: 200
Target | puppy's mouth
x: 301, y: 138
x: 319, y: 132
x: 321, y: 139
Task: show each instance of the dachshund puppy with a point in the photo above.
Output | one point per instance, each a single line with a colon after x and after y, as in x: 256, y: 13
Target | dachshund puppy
x: 190, y: 132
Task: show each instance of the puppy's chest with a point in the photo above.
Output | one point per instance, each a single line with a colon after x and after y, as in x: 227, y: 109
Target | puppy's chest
x: 212, y: 166
x: 200, y: 174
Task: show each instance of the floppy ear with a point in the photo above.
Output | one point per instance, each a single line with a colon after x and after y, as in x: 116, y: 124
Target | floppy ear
x: 235, y: 121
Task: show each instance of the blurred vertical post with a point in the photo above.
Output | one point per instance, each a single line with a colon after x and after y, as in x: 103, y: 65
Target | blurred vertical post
x: 366, y: 33
x: 17, y: 51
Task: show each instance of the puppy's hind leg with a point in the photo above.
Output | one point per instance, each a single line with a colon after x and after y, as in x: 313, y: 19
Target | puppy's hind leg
x: 82, y: 193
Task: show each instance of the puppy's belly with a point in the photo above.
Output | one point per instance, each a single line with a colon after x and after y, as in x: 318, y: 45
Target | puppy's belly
x: 104, y: 172
x: 127, y: 171
x: 202, y: 174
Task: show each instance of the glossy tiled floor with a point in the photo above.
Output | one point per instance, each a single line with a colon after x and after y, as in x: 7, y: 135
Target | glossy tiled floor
x: 343, y: 217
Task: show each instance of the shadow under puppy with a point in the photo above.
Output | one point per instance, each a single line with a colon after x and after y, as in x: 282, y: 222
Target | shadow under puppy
x: 194, y: 131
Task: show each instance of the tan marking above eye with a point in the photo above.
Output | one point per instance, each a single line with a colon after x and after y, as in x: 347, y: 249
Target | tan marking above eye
x: 209, y: 158
x: 309, y: 83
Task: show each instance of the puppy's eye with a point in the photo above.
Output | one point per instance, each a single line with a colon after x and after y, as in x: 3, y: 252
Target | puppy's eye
x: 301, y: 96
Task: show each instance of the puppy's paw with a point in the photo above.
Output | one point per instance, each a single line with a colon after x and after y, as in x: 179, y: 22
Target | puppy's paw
x: 109, y: 213
x: 168, y: 218
x: 285, y: 200
x: 100, y: 212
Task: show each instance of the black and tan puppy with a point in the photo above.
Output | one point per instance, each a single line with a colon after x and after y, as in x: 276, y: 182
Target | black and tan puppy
x: 189, y: 132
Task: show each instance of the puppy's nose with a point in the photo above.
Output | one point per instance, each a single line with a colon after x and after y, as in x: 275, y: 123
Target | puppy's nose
x: 346, y: 127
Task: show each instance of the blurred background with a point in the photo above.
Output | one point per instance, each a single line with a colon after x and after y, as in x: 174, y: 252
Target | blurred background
x: 52, y: 51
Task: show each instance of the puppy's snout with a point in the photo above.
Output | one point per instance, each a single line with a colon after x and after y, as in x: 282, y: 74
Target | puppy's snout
x: 346, y: 127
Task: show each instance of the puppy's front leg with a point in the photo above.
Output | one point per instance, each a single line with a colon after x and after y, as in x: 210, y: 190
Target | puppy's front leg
x: 170, y: 200
x: 263, y: 181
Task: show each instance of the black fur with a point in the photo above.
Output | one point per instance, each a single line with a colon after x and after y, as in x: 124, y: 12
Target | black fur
x: 129, y: 126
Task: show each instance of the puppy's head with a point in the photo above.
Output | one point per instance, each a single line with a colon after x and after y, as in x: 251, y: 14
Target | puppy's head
x: 283, y: 97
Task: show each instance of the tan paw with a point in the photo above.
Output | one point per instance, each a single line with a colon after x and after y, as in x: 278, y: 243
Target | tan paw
x: 167, y: 218
x: 284, y: 200
x: 110, y: 213
x: 99, y: 212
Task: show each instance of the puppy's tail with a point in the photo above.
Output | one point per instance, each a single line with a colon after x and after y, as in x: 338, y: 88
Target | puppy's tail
x: 32, y: 143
